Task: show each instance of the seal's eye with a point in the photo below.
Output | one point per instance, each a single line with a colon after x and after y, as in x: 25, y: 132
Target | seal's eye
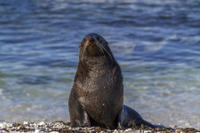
x: 92, y: 40
x: 98, y: 38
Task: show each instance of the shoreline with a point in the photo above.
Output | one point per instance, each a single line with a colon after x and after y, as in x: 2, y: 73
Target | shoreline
x: 63, y: 127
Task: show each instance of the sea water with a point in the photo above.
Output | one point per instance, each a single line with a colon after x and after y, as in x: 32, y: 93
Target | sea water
x: 156, y: 43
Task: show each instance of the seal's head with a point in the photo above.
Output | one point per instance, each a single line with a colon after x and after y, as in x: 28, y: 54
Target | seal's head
x: 94, y: 45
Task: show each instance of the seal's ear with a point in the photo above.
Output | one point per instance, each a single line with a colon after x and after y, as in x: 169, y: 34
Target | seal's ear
x: 97, y: 38
x: 82, y: 43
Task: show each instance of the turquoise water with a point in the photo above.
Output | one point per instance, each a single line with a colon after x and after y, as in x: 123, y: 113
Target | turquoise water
x: 155, y: 42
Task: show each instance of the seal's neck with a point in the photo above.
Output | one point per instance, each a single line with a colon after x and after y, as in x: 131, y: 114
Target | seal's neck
x: 97, y: 62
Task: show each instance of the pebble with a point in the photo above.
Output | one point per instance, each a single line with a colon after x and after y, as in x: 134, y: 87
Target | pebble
x: 59, y: 126
x: 129, y: 130
x: 26, y: 123
x: 5, y: 125
x: 41, y: 123
x: 2, y: 125
x: 115, y: 131
x: 147, y: 131
x: 37, y: 131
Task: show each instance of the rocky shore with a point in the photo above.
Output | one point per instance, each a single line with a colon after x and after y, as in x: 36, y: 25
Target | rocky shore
x: 62, y: 127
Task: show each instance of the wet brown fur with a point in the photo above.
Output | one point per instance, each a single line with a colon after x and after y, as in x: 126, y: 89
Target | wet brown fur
x: 96, y: 97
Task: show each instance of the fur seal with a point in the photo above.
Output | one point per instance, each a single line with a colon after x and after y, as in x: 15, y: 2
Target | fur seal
x: 96, y: 97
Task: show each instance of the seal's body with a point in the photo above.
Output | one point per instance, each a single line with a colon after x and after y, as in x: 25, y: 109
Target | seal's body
x: 96, y: 97
x: 129, y: 118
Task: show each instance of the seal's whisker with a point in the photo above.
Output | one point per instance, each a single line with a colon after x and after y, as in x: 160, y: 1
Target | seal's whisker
x: 107, y: 53
x: 103, y: 49
x: 82, y: 54
x: 99, y: 46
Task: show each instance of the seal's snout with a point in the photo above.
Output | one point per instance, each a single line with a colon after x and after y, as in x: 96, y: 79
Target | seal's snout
x: 89, y: 41
x: 94, y: 45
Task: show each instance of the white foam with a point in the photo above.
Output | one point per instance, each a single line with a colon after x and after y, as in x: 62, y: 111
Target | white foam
x: 1, y: 91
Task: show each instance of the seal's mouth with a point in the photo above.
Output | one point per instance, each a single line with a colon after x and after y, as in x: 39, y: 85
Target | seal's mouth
x: 94, y: 45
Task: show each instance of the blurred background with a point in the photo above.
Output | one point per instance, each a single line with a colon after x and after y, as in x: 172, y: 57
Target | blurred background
x: 156, y: 43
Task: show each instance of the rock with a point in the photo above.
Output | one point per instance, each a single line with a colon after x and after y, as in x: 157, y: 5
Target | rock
x: 37, y: 131
x: 115, y: 131
x: 26, y: 123
x: 41, y: 123
x: 5, y: 125
x: 129, y: 130
x: 59, y: 126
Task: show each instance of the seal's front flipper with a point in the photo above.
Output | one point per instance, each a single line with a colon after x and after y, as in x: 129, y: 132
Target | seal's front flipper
x: 78, y: 116
x: 129, y: 118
